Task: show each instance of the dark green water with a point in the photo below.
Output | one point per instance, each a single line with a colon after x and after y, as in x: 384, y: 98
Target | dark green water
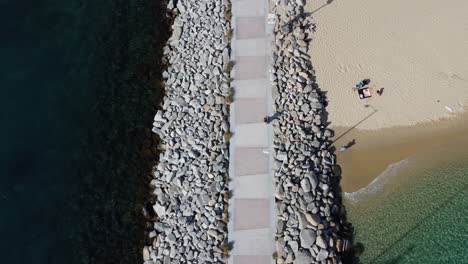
x: 79, y: 87
x: 416, y: 213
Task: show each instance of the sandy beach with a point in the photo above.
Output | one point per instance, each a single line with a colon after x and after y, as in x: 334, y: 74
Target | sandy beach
x: 416, y: 51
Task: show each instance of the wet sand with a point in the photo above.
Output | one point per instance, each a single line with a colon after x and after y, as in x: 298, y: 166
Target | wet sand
x: 375, y: 150
x: 413, y: 210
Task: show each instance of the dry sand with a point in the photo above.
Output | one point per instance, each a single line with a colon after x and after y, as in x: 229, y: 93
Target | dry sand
x: 417, y: 50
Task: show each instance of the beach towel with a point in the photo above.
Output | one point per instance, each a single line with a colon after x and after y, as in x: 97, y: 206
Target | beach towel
x: 364, y: 93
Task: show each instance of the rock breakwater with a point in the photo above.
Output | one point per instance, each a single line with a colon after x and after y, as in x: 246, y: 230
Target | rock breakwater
x: 190, y: 181
x: 311, y: 226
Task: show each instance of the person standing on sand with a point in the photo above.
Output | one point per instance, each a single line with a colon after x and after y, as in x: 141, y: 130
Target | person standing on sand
x: 347, y: 146
x: 380, y: 91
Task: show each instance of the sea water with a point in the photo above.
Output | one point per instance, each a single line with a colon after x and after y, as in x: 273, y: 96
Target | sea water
x: 78, y: 82
x: 415, y: 212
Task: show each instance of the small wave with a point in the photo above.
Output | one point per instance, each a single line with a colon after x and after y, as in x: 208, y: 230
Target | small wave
x: 377, y: 184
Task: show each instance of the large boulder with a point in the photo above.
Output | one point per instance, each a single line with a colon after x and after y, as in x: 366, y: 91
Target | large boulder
x: 305, y: 185
x: 307, y: 238
x: 312, y: 179
x: 313, y: 219
x: 322, y: 255
x: 303, y: 257
x: 320, y: 241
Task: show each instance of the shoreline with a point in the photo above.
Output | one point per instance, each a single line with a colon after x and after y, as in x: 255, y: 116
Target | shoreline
x: 419, y: 203
x: 406, y: 140
x: 376, y: 150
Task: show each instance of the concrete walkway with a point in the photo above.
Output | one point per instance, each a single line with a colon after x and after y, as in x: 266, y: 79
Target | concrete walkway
x: 252, y: 216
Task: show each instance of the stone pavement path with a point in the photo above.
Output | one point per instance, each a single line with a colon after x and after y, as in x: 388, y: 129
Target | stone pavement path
x: 252, y: 216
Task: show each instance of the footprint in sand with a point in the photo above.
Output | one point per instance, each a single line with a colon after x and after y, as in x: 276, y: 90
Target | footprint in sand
x: 341, y: 68
x: 348, y: 68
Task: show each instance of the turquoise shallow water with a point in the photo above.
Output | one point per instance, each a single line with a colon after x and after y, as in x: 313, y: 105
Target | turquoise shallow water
x: 417, y: 212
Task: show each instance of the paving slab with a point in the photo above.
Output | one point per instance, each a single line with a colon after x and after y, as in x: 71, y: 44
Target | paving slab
x: 253, y: 259
x: 252, y: 187
x: 251, y: 213
x: 250, y: 27
x: 249, y: 8
x: 250, y: 110
x: 253, y: 242
x: 251, y: 47
x: 249, y: 161
x: 254, y: 88
x: 250, y: 67
x: 251, y: 135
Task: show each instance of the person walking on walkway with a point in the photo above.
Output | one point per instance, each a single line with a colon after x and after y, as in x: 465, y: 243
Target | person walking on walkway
x: 269, y: 119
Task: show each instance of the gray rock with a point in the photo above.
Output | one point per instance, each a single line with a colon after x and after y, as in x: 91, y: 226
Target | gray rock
x: 316, y: 144
x: 212, y: 233
x: 226, y: 59
x: 317, y: 105
x: 146, y: 254
x: 320, y: 241
x: 305, y: 108
x: 322, y: 255
x: 302, y: 221
x: 199, y: 78
x: 307, y: 238
x: 279, y: 194
x: 176, y: 33
x: 312, y: 179
x: 170, y: 5
x: 281, y: 155
x: 294, y: 246
x: 286, y: 28
x: 313, y: 219
x: 301, y: 79
x: 300, y: 2
x: 303, y: 257
x: 301, y: 43
x: 181, y: 7
x: 280, y: 227
x: 159, y: 210
x: 160, y: 227
x: 328, y: 133
x: 307, y: 89
x: 305, y: 185
x: 171, y: 238
x: 280, y: 246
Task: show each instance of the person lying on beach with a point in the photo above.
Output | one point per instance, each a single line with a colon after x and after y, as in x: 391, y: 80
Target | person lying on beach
x: 359, y: 85
x: 362, y: 84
